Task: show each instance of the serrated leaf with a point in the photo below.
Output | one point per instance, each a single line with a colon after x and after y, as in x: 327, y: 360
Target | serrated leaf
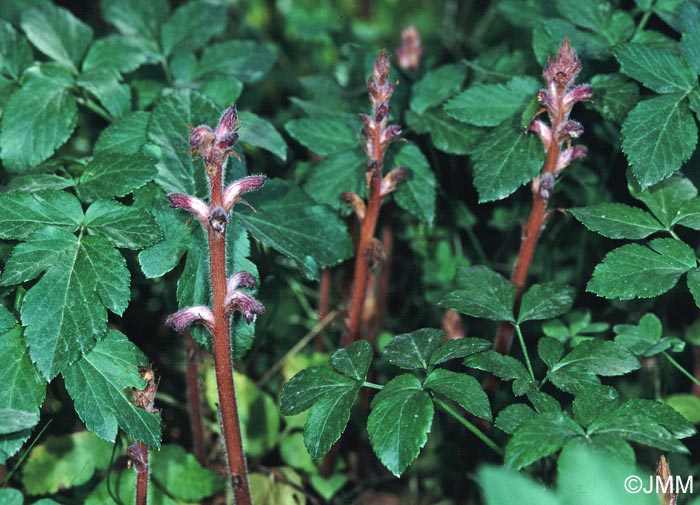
x: 539, y: 437
x: 660, y: 413
x: 645, y: 339
x: 113, y: 278
x: 223, y: 91
x: 13, y: 420
x: 688, y: 215
x: 491, y: 104
x: 57, y: 33
x: 591, y: 402
x: 688, y: 405
x: 344, y: 171
x: 658, y: 136
x: 128, y: 227
x: 21, y: 213
x: 458, y: 348
x: 104, y: 83
x: 162, y: 257
x: 417, y: 193
x: 437, y: 86
x: 38, y: 118
x: 601, y: 357
x: 481, y: 292
x: 545, y: 301
x: 658, y: 69
x: 179, y: 472
x: 100, y: 384
x: 617, y: 220
x: 550, y: 350
x: 505, y: 160
x: 127, y: 135
x: 323, y: 136
x: 548, y: 34
x: 191, y: 26
x: 637, y: 271
x: 290, y: 222
x: 693, y: 281
x: 447, y: 134
x: 109, y: 174
x: 259, y: 132
x: 311, y: 385
x: 399, y: 422
x: 513, y: 416
x: 353, y: 360
x: 503, y: 367
x: 63, y: 462
x: 15, y: 52
x: 690, y: 40
x: 137, y: 20
x: 168, y: 130
x: 33, y: 182
x: 600, y: 17
x: 413, y: 350
x: 26, y: 388
x: 666, y: 198
x: 461, y: 388
x: 245, y: 60
x: 117, y: 52
x: 614, y: 95
x: 328, y: 418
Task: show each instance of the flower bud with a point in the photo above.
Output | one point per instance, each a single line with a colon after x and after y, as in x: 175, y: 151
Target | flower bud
x: 356, y: 203
x: 561, y: 72
x: 546, y: 185
x: 183, y: 318
x: 218, y: 218
x: 191, y: 204
x: 391, y: 180
x: 227, y: 129
x: 391, y: 133
x: 578, y: 94
x: 542, y: 131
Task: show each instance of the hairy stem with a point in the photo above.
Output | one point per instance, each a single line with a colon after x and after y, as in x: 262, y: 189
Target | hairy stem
x: 142, y: 471
x: 193, y: 398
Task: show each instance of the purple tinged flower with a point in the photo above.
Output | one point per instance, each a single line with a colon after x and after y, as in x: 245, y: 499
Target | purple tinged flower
x: 233, y: 192
x: 569, y: 155
x: 561, y: 72
x: 227, y: 129
x: 545, y: 185
x: 183, y: 318
x: 356, y: 203
x: 391, y: 180
x: 542, y: 130
x: 411, y: 48
x: 570, y: 129
x: 236, y: 299
x: 200, y: 136
x: 240, y: 279
x: 218, y: 219
x: 392, y: 132
x: 191, y: 204
x: 578, y: 94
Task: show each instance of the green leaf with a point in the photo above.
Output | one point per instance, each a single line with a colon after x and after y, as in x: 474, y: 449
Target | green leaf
x: 127, y: 135
x: 15, y: 52
x: 688, y: 405
x: 693, y: 281
x: 617, y: 220
x: 310, y: 386
x: 399, y: 422
x: 259, y: 132
x: 63, y: 462
x: 191, y: 26
x: 549, y: 33
x: 109, y: 175
x: 140, y: 21
x: 179, y: 472
x: 645, y: 339
x: 162, y: 257
x: 550, y: 350
x: 660, y: 413
x: 38, y: 118
x: 25, y: 389
x: 539, y: 437
x: 11, y: 496
x: 461, y: 388
x: 412, y: 350
x: 128, y: 227
x: 591, y: 402
x: 266, y: 490
x: 658, y: 69
x: 245, y: 60
x: 287, y: 220
x: 21, y: 214
x: 513, y: 416
x: 658, y: 136
x: 99, y: 385
x: 354, y: 360
x: 689, y: 214
x: 690, y: 40
x: 642, y: 271
x: 666, y: 198
x: 65, y: 311
x: 503, y: 367
x: 417, y: 193
x: 545, y: 301
x: 600, y: 17
x: 13, y: 420
x: 223, y: 91
x: 601, y: 357
x: 614, y: 96
x: 481, y: 292
x: 447, y: 134
x: 520, y: 489
x: 458, y: 348
x: 57, y: 33
x: 104, y: 83
x: 117, y: 52
x: 33, y: 182
x: 344, y: 171
x: 38, y: 254
x: 437, y: 86
x: 168, y: 130
x: 505, y: 160
x: 323, y: 136
x: 491, y: 104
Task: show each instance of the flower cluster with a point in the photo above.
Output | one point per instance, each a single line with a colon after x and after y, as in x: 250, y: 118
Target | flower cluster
x: 215, y: 145
x: 411, y: 49
x: 557, y: 100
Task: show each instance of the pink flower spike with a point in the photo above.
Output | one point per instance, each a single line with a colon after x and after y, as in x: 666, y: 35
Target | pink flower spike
x: 578, y: 94
x: 183, y: 318
x: 248, y: 306
x: 191, y: 204
x: 233, y: 192
x: 543, y: 131
x: 569, y: 155
x: 563, y: 70
x: 240, y: 279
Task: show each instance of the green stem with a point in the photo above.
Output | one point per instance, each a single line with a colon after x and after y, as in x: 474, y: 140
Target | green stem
x: 524, y: 349
x: 681, y: 369
x: 672, y: 233
x: 95, y: 108
x: 372, y: 385
x: 463, y: 421
x: 643, y: 21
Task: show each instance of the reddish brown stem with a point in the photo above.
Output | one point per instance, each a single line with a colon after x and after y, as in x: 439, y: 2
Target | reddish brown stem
x: 193, y: 398
x: 324, y: 293
x: 141, y: 474
x: 387, y: 234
